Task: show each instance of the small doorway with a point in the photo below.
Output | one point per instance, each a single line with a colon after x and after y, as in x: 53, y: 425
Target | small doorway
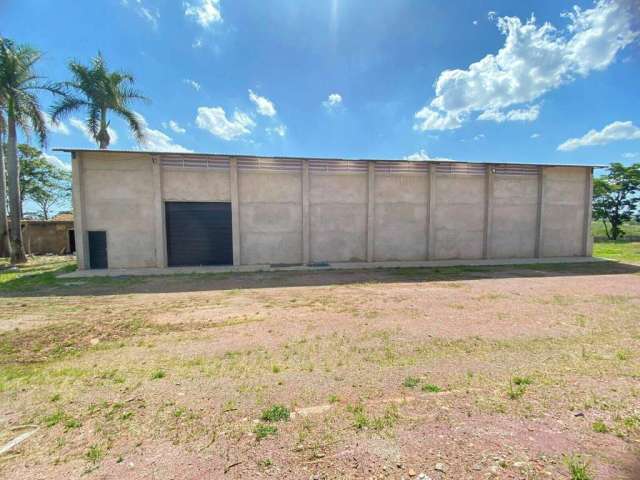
x: 98, y: 250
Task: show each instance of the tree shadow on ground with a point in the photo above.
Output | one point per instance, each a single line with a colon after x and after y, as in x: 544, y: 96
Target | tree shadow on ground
x: 51, y: 284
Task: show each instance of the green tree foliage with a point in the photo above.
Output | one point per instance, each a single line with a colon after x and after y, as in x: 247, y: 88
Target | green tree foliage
x: 43, y: 183
x: 99, y: 91
x: 616, y: 197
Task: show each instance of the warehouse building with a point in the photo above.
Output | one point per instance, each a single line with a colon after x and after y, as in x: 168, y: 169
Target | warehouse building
x: 151, y: 209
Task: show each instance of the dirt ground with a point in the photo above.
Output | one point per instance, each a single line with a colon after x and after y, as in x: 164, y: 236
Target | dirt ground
x: 514, y: 373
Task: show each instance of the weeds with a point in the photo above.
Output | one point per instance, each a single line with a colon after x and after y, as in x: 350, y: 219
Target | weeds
x: 431, y: 388
x: 411, y: 382
x: 518, y: 387
x: 158, y: 374
x: 262, y: 430
x: 276, y: 413
x: 578, y: 467
x: 600, y: 427
x: 94, y: 454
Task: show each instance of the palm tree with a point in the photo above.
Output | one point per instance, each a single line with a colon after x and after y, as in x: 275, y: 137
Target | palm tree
x: 18, y: 87
x: 98, y: 90
x: 4, y: 223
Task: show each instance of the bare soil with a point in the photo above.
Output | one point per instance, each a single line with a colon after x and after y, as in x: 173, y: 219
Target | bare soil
x: 455, y: 373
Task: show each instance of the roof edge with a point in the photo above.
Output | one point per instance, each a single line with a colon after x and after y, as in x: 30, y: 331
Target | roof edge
x: 332, y: 159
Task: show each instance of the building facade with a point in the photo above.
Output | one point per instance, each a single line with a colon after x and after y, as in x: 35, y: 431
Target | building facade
x: 144, y: 209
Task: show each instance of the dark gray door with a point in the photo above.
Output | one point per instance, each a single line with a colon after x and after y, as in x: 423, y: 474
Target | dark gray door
x: 198, y: 233
x: 98, y: 250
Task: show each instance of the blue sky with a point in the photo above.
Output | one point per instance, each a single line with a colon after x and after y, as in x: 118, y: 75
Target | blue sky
x: 492, y: 81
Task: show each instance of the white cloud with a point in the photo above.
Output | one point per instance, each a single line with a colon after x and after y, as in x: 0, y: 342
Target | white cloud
x: 193, y: 84
x: 214, y: 120
x: 82, y: 128
x: 611, y: 133
x: 197, y: 43
x: 533, y: 60
x: 57, y: 127
x: 519, y: 114
x: 419, y: 155
x: 151, y: 16
x: 280, y: 130
x: 491, y: 15
x: 535, y: 135
x: 475, y: 22
x: 157, y: 141
x: 204, y: 12
x: 334, y: 100
x: 631, y: 155
x: 56, y: 162
x: 480, y: 136
x: 264, y: 106
x: 174, y: 126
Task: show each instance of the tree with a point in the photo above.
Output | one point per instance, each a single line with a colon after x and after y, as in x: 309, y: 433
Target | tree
x: 43, y: 183
x: 4, y: 222
x: 18, y: 87
x: 616, y: 197
x: 100, y: 91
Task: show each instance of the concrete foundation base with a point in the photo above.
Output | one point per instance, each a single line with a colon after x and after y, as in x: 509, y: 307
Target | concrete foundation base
x: 331, y: 266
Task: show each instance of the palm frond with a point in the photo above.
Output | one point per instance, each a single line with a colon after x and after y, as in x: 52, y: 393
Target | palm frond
x: 136, y: 124
x: 65, y: 106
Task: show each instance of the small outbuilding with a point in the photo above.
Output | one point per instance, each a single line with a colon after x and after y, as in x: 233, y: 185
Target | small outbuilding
x: 157, y: 209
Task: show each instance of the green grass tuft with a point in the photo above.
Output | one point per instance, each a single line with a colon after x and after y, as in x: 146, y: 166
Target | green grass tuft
x: 263, y: 430
x: 276, y: 413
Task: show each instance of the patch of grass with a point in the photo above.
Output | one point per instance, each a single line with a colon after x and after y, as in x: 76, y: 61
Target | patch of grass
x: 623, y: 355
x: 265, y: 463
x: 276, y: 413
x: 360, y: 419
x: 517, y: 387
x: 71, y: 422
x: 276, y: 369
x: 388, y: 419
x: 619, y: 250
x: 600, y: 427
x: 53, y: 419
x: 94, y: 454
x: 411, y: 382
x: 262, y: 430
x: 158, y: 374
x: 334, y: 399
x: 430, y: 387
x: 55, y: 397
x: 578, y: 467
x: 38, y: 272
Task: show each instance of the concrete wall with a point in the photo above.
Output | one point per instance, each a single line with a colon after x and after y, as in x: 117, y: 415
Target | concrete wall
x: 563, y: 211
x: 270, y: 217
x: 46, y: 236
x: 118, y: 198
x: 293, y: 211
x: 459, y: 216
x: 338, y: 217
x: 514, y: 220
x: 400, y: 229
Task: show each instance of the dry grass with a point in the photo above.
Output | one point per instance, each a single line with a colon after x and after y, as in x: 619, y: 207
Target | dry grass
x: 492, y: 372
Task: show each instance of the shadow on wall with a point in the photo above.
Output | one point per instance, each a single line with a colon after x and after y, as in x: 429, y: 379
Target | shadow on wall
x: 49, y: 284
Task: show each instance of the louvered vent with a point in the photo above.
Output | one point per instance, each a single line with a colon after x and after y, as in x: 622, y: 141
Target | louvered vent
x: 337, y: 166
x: 515, y: 170
x: 193, y: 162
x: 267, y: 164
x: 402, y: 167
x: 460, y: 169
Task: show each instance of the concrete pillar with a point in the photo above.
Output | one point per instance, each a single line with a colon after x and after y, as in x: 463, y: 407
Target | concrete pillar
x: 79, y: 216
x: 306, y: 255
x: 235, y: 209
x: 371, y: 203
x: 431, y: 208
x: 159, y: 218
x: 540, y: 215
x: 587, y: 241
x: 488, y: 211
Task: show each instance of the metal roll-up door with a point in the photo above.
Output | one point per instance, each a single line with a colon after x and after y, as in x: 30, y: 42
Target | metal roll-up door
x: 198, y: 233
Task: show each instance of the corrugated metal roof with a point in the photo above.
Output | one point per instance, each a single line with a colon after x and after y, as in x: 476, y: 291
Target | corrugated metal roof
x: 265, y: 157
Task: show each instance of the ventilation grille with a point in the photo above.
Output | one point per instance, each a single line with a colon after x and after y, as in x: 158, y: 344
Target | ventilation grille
x: 272, y: 165
x: 460, y: 169
x: 516, y: 170
x: 337, y: 166
x: 402, y: 167
x: 195, y: 163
